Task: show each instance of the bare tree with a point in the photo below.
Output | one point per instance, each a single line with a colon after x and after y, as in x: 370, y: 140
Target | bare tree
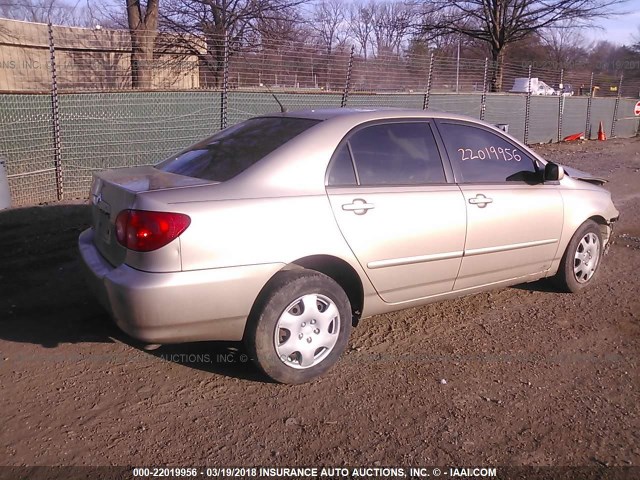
x: 391, y: 24
x: 361, y: 24
x: 500, y: 23
x: 284, y: 28
x: 143, y: 26
x: 201, y: 26
x: 636, y: 41
x: 58, y: 12
x: 265, y: 55
x: 566, y: 44
x: 328, y: 21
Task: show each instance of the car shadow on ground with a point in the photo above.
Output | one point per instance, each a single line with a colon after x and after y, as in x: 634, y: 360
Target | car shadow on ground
x: 544, y: 286
x: 223, y: 358
x: 45, y: 301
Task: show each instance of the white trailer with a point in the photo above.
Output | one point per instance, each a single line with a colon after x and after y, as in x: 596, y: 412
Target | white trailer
x: 538, y: 87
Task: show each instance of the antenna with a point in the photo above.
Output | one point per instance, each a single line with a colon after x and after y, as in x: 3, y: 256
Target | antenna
x: 283, y: 109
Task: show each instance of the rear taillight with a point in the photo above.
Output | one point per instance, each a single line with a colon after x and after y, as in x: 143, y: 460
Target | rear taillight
x: 144, y: 231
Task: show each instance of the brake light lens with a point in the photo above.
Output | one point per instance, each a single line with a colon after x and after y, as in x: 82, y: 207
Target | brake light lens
x: 145, y: 231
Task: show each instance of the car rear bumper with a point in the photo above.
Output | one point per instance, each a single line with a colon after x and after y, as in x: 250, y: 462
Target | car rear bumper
x: 175, y: 307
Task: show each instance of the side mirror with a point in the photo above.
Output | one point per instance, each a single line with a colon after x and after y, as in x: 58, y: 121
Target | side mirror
x: 553, y: 172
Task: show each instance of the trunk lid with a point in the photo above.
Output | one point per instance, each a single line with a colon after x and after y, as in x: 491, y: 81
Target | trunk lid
x: 115, y: 190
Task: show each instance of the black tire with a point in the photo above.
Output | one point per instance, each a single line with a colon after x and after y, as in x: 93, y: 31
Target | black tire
x: 279, y: 308
x: 567, y: 279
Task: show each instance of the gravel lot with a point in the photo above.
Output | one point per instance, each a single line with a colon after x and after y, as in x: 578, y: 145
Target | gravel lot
x: 533, y: 377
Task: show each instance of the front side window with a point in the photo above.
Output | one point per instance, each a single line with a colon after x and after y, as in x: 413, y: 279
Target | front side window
x: 391, y: 154
x: 482, y: 156
x: 233, y: 150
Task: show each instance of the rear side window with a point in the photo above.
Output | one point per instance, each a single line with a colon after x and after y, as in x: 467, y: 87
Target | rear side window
x: 393, y: 154
x: 235, y: 149
x: 482, y: 156
x: 341, y: 172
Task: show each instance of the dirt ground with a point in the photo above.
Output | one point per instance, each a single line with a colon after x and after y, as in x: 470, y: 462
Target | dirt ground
x: 533, y: 377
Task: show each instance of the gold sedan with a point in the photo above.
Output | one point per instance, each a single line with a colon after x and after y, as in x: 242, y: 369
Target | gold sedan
x: 285, y: 230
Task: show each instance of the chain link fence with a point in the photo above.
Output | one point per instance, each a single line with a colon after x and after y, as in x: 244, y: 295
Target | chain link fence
x: 72, y: 101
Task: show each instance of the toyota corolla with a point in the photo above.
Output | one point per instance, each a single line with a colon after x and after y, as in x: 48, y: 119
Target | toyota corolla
x: 285, y: 230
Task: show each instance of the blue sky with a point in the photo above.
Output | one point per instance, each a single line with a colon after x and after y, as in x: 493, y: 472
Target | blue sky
x: 620, y: 29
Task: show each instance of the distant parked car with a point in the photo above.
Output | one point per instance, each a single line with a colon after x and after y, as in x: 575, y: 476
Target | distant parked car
x: 565, y: 89
x: 537, y: 86
x: 286, y: 229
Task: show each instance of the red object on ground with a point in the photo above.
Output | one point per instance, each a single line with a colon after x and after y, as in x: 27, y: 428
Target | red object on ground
x: 574, y: 137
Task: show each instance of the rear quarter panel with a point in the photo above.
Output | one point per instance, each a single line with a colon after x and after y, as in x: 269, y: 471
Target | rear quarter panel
x: 228, y: 233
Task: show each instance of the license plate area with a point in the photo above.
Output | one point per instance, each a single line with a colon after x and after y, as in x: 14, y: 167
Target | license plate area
x: 104, y: 227
x: 102, y: 222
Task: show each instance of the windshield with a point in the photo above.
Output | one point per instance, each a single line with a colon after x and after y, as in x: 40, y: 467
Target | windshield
x: 233, y: 150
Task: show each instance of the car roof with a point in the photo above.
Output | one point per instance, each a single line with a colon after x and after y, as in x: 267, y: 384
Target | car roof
x: 364, y: 114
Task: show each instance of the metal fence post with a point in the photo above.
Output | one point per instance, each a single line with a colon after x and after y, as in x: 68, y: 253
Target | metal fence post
x: 527, y: 108
x: 347, y: 82
x: 587, y: 127
x: 483, y: 99
x: 458, y: 64
x: 55, y: 114
x: 224, y: 93
x: 425, y: 101
x: 560, y: 104
x: 615, y: 109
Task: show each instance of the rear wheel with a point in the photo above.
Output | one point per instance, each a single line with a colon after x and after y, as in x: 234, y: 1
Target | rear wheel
x: 581, y: 260
x: 300, y: 327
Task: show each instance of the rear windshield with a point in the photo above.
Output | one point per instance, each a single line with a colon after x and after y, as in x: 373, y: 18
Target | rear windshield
x: 236, y: 148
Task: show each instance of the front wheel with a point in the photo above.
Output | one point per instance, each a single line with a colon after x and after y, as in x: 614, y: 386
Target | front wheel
x: 300, y: 327
x: 581, y: 260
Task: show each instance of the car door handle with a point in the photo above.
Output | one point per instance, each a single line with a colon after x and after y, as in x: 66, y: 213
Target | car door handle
x: 480, y: 200
x: 359, y: 206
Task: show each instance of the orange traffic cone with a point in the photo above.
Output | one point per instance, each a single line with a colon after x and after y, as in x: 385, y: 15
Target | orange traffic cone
x: 601, y: 135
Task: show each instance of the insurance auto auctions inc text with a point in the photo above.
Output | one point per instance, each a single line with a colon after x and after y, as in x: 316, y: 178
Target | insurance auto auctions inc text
x: 375, y: 472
